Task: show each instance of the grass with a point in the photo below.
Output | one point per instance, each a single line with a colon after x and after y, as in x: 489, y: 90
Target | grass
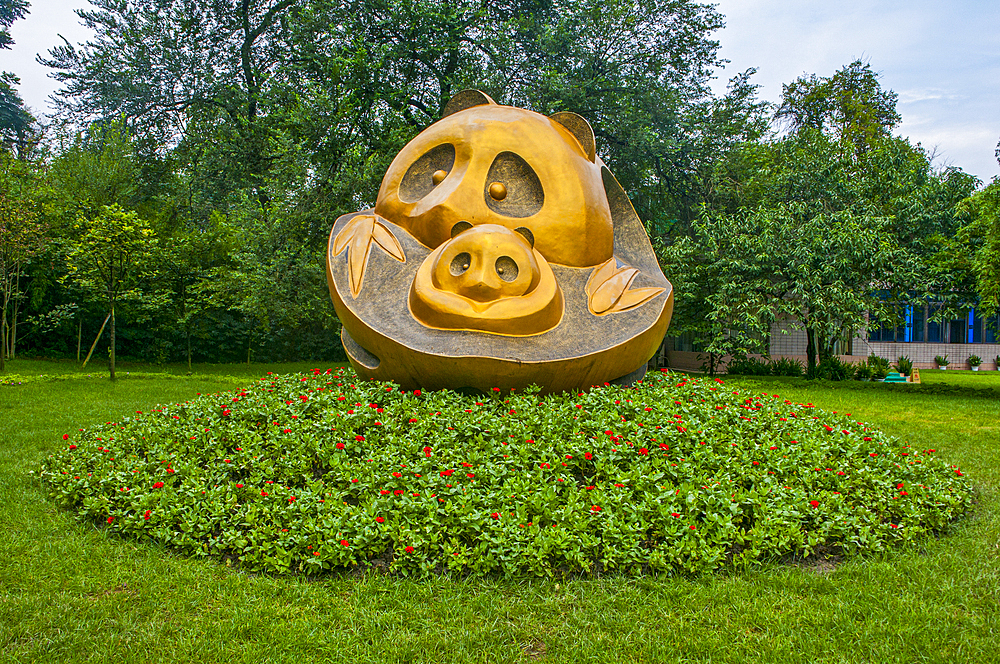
x: 71, y: 592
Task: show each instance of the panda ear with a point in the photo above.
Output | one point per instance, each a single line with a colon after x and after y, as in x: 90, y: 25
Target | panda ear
x: 528, y: 235
x: 460, y: 227
x: 466, y: 99
x: 581, y: 129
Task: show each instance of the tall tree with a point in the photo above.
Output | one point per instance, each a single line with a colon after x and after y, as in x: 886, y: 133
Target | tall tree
x: 22, y: 237
x: 15, y: 121
x: 109, y: 253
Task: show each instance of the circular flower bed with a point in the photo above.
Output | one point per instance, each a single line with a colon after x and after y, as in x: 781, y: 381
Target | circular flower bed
x: 303, y: 473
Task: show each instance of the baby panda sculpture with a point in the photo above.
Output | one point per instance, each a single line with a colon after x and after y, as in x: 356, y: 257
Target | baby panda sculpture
x: 501, y: 252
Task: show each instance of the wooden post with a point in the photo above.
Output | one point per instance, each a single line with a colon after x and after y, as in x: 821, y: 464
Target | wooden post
x: 96, y: 339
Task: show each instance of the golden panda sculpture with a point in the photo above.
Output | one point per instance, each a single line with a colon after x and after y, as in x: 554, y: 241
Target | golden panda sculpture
x: 500, y: 253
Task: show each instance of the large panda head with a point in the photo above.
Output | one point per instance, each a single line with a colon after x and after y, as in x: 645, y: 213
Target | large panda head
x: 484, y: 163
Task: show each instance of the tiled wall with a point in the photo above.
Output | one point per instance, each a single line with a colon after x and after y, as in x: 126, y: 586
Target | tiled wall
x: 786, y: 341
x: 922, y: 354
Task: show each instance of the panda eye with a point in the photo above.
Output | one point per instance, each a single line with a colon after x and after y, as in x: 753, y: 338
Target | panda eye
x: 427, y: 172
x: 512, y: 187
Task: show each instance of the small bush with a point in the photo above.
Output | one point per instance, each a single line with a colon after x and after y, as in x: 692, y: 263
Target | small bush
x: 941, y: 361
x: 786, y: 366
x: 880, y: 366
x: 863, y: 372
x: 306, y: 473
x: 975, y: 360
x: 904, y: 365
x: 832, y: 368
x: 747, y: 366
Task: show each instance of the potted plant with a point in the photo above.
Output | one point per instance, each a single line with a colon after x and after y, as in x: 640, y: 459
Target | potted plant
x: 941, y: 362
x: 904, y: 365
x: 975, y: 361
x: 996, y: 361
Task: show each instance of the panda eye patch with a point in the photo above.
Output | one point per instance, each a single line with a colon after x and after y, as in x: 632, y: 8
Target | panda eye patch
x: 512, y: 188
x: 428, y: 171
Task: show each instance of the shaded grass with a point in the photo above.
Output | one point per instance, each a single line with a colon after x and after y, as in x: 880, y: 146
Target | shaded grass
x: 69, y: 592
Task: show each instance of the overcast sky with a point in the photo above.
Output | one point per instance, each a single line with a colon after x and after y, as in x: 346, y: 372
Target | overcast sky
x: 941, y: 56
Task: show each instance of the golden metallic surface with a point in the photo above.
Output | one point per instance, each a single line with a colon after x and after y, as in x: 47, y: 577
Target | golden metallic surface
x: 500, y: 252
x: 498, y: 191
x: 487, y: 278
x: 552, y: 187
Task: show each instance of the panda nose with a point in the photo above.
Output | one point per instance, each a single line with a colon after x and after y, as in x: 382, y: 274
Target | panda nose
x: 478, y: 280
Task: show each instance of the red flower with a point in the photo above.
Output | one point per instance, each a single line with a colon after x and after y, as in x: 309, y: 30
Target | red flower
x: 380, y: 519
x: 65, y: 436
x: 72, y: 447
x: 691, y: 527
x: 495, y: 515
x: 158, y: 485
x: 110, y: 519
x: 170, y: 471
x: 286, y: 431
x: 397, y: 474
x: 384, y: 492
x: 146, y: 515
x: 643, y: 451
x: 470, y: 474
x: 447, y: 473
x: 398, y: 492
x: 291, y: 499
x: 416, y: 393
x: 360, y: 439
x: 315, y: 553
x: 408, y: 549
x: 675, y: 515
x: 588, y: 456
x: 239, y: 486
x: 344, y: 543
x: 354, y: 480
x: 340, y: 446
x: 595, y: 508
x: 263, y: 493
x: 427, y: 452
x: 814, y: 503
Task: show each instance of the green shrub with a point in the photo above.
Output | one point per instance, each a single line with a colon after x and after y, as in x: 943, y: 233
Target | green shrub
x: 786, y: 366
x: 747, y: 366
x: 879, y: 365
x: 305, y: 473
x: 941, y: 361
x: 832, y: 368
x: 862, y: 371
x: 975, y: 360
x: 904, y: 365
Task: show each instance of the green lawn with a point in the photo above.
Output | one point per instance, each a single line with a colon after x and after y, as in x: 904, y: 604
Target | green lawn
x: 69, y: 592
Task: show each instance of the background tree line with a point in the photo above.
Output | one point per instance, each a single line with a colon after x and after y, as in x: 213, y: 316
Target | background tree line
x: 201, y: 151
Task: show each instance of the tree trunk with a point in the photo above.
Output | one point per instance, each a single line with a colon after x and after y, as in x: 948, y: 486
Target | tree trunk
x: 111, y: 358
x: 810, y: 352
x: 3, y: 339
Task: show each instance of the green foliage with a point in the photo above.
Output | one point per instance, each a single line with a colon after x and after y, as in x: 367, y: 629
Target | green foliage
x: 785, y: 366
x: 975, y: 360
x: 941, y: 361
x: 904, y: 365
x: 833, y: 368
x: 305, y: 473
x: 863, y: 371
x: 747, y: 366
x: 879, y: 365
